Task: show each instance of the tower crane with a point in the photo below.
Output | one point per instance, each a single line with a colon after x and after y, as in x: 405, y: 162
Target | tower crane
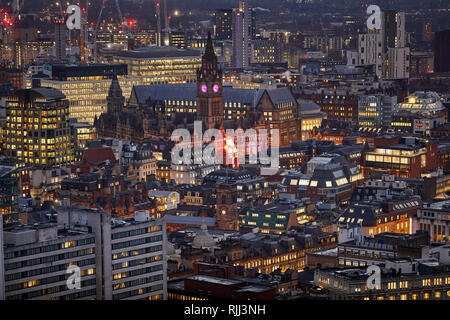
x: 99, y: 20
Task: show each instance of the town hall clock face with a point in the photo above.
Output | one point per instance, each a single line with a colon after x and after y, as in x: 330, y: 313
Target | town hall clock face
x: 216, y: 88
x: 204, y: 88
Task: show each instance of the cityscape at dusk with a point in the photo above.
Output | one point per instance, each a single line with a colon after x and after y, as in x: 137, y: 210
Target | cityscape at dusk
x: 246, y: 152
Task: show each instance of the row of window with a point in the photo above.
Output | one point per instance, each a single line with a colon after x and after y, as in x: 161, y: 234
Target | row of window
x: 51, y: 269
x: 137, y: 282
x: 137, y: 292
x: 125, y: 254
x: 138, y: 272
x: 47, y: 259
x: 136, y: 242
x: 49, y: 248
x: 62, y: 288
x: 136, y: 232
x: 132, y: 263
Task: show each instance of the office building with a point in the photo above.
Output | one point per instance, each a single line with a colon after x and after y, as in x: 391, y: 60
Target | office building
x: 86, y: 86
x: 158, y: 65
x: 277, y: 217
x: 406, y: 157
x: 393, y: 26
x: 266, y: 51
x: 375, y: 111
x: 37, y: 130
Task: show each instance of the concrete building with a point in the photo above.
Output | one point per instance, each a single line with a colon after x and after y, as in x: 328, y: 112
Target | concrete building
x: 36, y: 260
x: 370, y: 51
x: 397, y: 64
x: 385, y: 48
x: 118, y: 258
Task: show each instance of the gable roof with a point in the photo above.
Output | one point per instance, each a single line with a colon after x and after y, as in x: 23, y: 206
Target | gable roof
x: 278, y: 96
x: 188, y: 92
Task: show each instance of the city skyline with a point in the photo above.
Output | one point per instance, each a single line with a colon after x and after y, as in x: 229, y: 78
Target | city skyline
x: 225, y: 151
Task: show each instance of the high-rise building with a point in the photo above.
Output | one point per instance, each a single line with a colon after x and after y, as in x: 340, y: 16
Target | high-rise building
x: 223, y: 23
x: 442, y: 51
x: 371, y: 51
x: 37, y: 130
x: 241, y: 22
x: 397, y: 64
x: 60, y: 39
x: 393, y: 28
x: 386, y: 47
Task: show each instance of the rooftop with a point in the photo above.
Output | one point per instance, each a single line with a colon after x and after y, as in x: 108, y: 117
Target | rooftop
x: 158, y: 53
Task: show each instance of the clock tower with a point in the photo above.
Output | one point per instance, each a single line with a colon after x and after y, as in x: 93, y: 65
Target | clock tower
x: 209, y: 89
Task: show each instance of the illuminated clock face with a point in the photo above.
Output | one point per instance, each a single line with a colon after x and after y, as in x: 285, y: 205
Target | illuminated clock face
x: 216, y: 88
x: 204, y: 88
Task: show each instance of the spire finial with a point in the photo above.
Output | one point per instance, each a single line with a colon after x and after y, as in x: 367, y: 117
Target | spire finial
x: 209, y: 50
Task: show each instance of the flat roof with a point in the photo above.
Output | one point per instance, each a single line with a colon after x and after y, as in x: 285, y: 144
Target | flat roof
x: 157, y: 53
x: 221, y: 281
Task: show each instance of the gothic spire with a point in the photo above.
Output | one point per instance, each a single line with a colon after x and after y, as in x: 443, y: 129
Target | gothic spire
x: 115, y: 90
x: 209, y: 49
